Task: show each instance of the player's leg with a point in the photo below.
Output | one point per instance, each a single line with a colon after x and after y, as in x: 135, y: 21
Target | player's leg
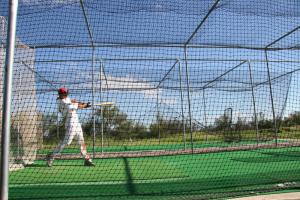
x: 66, y: 141
x: 84, y: 154
x: 83, y: 150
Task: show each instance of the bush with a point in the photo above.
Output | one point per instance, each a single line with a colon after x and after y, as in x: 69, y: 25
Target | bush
x: 232, y: 136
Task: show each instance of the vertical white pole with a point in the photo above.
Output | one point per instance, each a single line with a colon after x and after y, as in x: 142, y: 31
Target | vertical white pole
x: 9, y: 60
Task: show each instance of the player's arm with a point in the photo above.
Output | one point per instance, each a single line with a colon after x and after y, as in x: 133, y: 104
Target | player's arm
x: 81, y: 105
x: 84, y: 105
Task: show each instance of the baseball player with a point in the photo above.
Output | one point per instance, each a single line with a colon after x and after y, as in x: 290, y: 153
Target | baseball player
x: 68, y: 107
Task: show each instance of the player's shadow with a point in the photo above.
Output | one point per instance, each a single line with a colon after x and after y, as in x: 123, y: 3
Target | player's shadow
x: 54, y: 165
x: 130, y: 185
x: 35, y: 165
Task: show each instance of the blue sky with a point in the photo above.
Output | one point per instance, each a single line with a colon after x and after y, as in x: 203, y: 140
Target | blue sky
x: 251, y: 24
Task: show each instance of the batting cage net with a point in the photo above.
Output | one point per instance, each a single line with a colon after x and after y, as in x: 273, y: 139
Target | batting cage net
x: 154, y: 99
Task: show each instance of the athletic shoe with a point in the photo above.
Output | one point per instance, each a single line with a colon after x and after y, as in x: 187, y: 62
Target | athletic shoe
x: 49, y: 159
x: 89, y: 163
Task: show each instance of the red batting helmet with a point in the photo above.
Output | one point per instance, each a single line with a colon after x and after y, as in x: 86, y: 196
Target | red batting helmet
x: 62, y: 90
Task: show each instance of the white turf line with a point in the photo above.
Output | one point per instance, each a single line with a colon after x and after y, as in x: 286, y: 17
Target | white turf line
x: 282, y: 196
x: 95, y: 183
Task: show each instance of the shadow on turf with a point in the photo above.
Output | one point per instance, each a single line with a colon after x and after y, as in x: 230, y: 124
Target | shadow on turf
x: 44, y: 165
x: 130, y: 185
x: 203, y: 189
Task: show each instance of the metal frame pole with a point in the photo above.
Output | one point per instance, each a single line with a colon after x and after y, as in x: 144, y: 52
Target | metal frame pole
x: 57, y: 125
x: 285, y: 100
x: 254, y: 103
x: 18, y: 115
x: 272, y: 99
x: 160, y: 59
x: 101, y: 109
x: 189, y: 100
x: 142, y: 45
x: 158, y: 115
x: 204, y: 110
x: 90, y: 33
x: 182, y: 109
x: 93, y: 102
x: 7, y: 95
x: 107, y: 131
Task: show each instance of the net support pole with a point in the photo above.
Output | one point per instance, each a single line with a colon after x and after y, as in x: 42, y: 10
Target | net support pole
x: 254, y: 102
x: 57, y: 125
x: 93, y: 102
x: 7, y: 95
x: 18, y: 116
x: 90, y: 34
x: 108, y: 110
x: 158, y: 114
x: 101, y: 108
x: 286, y: 99
x: 181, y: 104
x: 189, y: 99
x: 271, y: 98
x: 204, y: 112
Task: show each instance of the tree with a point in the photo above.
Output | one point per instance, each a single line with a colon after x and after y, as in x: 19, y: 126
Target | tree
x: 242, y: 124
x: 263, y: 122
x: 223, y: 122
x: 230, y: 132
x: 292, y: 120
x: 166, y: 127
x: 115, y: 123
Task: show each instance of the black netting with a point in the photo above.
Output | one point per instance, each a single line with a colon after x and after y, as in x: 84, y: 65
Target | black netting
x: 174, y: 99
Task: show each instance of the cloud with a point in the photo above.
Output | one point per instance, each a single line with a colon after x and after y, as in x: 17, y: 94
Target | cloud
x: 169, y: 101
x: 123, y: 83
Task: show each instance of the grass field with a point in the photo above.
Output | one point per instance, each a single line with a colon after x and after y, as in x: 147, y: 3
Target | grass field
x: 165, y: 177
x: 172, y: 142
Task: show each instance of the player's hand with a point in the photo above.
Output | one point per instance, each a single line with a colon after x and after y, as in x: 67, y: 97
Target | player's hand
x: 74, y: 101
x: 88, y: 104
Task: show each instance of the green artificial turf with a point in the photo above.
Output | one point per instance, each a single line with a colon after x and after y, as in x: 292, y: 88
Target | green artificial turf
x: 143, y: 146
x: 165, y: 177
